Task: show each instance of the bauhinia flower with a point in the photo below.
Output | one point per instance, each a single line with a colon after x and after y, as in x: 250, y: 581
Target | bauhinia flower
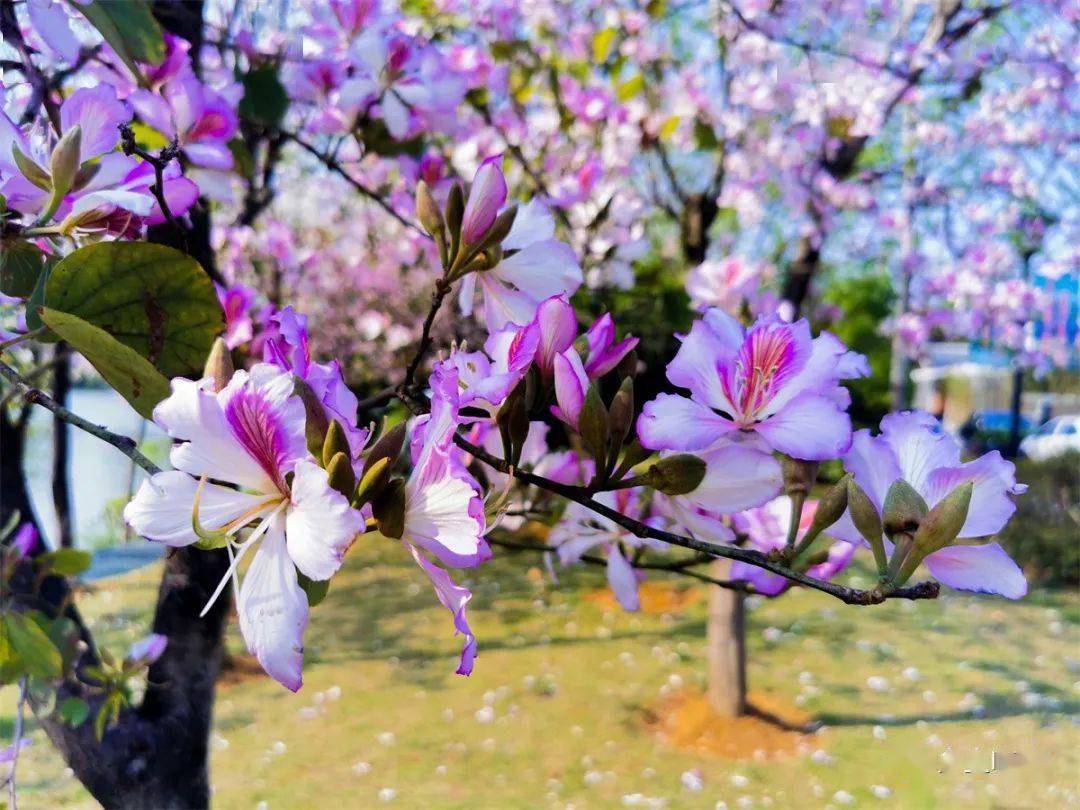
x: 534, y: 266
x: 772, y: 380
x: 485, y: 379
x: 250, y: 435
x: 147, y: 650
x: 286, y: 345
x: 582, y: 529
x: 443, y: 512
x: 912, y: 448
x: 766, y: 528
x: 236, y: 302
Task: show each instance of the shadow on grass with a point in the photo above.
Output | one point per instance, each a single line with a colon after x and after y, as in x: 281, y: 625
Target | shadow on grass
x: 996, y: 706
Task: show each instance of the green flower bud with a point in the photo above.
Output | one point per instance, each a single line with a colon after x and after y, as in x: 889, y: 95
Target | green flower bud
x: 389, y: 509
x: 427, y: 211
x: 335, y: 442
x: 372, y: 482
x: 219, y: 365
x: 513, y: 422
x: 315, y: 424
x: 904, y: 509
x: 799, y: 475
x: 677, y: 474
x: 30, y: 170
x: 388, y: 447
x: 830, y: 508
x: 593, y: 425
x: 867, y: 520
x: 500, y: 228
x: 621, y: 413
x: 340, y: 473
x: 455, y: 210
x: 65, y: 160
x: 944, y: 522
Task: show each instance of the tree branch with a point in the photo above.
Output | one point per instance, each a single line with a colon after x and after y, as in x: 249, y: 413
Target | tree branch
x: 37, y: 397
x: 851, y: 596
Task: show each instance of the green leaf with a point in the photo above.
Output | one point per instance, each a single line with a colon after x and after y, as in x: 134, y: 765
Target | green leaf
x: 37, y: 301
x: 155, y: 299
x: 601, y: 45
x: 21, y: 263
x: 630, y: 88
x: 39, y: 656
x: 73, y: 711
x: 131, y: 374
x: 265, y: 100
x: 67, y: 562
x: 668, y: 128
x: 129, y: 27
x: 315, y: 589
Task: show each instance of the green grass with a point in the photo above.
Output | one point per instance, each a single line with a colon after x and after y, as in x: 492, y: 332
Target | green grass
x: 564, y: 684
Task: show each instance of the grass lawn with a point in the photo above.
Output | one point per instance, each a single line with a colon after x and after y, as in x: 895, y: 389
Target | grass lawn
x: 913, y: 699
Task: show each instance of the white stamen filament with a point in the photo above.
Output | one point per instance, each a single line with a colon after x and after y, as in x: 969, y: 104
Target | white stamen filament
x: 241, y: 550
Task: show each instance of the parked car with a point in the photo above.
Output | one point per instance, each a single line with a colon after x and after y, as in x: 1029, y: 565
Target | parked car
x: 989, y: 430
x: 1058, y: 436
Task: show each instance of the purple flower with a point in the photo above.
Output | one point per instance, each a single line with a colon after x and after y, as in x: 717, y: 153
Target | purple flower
x: 236, y: 302
x: 767, y: 527
x: 287, y: 346
x: 25, y: 540
x: 535, y: 267
x: 912, y: 447
x: 571, y: 385
x: 444, y: 512
x: 485, y: 379
x: 604, y: 353
x: 557, y: 326
x: 148, y: 650
x: 251, y: 435
x: 487, y: 195
x: 581, y: 529
x: 772, y: 380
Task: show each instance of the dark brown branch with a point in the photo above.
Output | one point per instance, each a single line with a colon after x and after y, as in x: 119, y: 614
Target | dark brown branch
x: 851, y: 596
x: 442, y: 289
x: 37, y: 397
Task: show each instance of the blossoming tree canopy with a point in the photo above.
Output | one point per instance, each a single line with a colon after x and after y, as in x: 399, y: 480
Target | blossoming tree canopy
x: 254, y: 234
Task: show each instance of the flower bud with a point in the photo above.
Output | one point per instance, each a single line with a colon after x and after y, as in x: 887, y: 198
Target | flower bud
x: 315, y: 424
x: 389, y: 509
x: 340, y: 473
x: 830, y: 508
x: 335, y: 442
x: 486, y: 196
x: 944, y: 522
x: 30, y: 170
x: 513, y: 422
x: 455, y: 209
x: 219, y: 365
x: 593, y: 424
x: 372, y: 482
x: 65, y: 160
x: 904, y: 509
x: 621, y: 412
x: 427, y: 210
x: 867, y: 520
x: 388, y: 447
x: 799, y: 475
x: 677, y: 474
x: 500, y: 229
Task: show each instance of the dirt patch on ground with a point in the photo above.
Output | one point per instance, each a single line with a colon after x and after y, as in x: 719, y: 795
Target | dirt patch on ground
x: 769, y: 731
x: 656, y: 597
x: 239, y: 668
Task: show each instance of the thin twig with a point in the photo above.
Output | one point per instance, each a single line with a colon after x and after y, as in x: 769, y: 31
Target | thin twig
x: 742, y: 587
x: 335, y: 166
x: 159, y: 161
x: 16, y: 745
x: 34, y: 396
x: 442, y: 289
x: 852, y: 596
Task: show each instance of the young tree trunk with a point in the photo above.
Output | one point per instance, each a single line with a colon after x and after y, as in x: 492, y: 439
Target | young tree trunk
x: 61, y: 484
x: 726, y: 642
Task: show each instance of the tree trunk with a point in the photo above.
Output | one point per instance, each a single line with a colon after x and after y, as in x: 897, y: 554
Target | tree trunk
x: 726, y: 641
x: 61, y: 484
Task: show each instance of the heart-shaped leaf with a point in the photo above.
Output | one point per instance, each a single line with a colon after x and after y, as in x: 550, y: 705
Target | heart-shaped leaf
x: 123, y: 368
x: 21, y: 263
x: 129, y: 27
x: 155, y: 299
